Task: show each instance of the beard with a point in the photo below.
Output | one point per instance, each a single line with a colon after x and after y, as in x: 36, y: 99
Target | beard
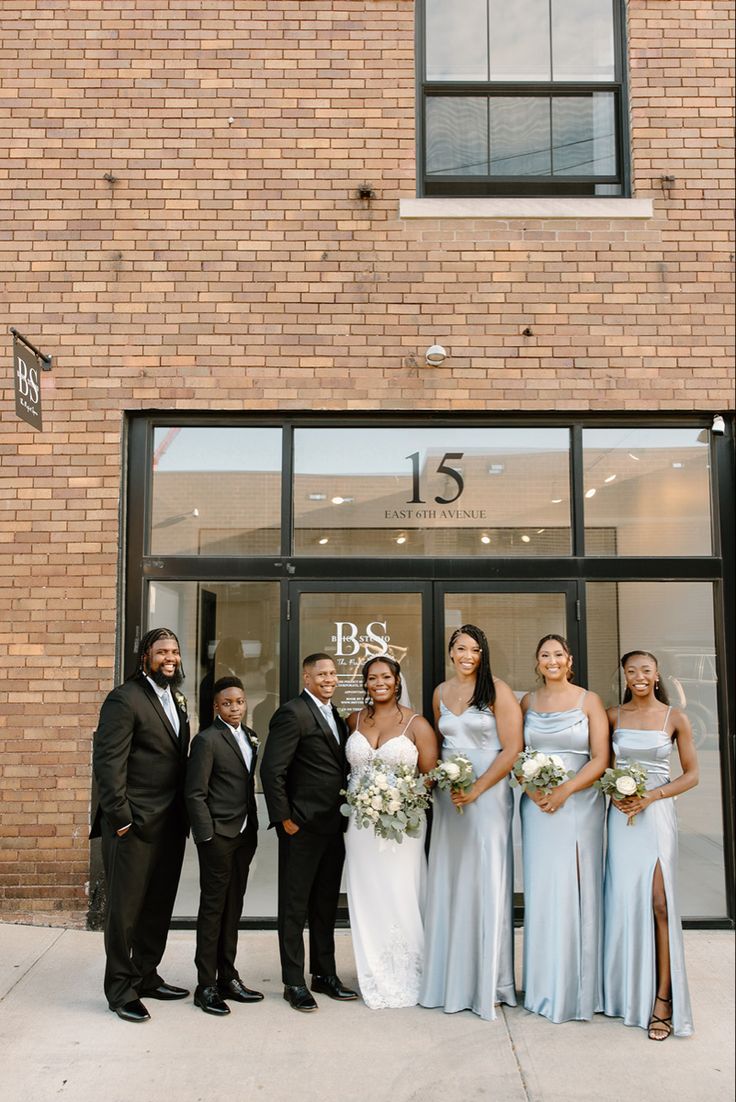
x: 165, y: 682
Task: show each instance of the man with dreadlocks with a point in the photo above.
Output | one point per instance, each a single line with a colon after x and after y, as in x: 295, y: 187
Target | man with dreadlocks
x: 139, y: 762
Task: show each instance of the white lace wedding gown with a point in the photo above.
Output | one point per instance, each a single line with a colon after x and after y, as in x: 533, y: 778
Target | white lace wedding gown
x: 386, y: 883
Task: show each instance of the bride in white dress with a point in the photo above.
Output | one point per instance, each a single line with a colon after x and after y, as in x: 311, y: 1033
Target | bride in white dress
x: 386, y: 880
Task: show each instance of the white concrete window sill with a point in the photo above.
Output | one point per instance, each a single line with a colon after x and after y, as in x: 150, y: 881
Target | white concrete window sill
x: 544, y: 208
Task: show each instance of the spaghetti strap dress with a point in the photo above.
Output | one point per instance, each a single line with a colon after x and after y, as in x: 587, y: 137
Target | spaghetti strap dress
x: 469, y: 962
x: 629, y: 955
x: 563, y: 880
x: 386, y: 886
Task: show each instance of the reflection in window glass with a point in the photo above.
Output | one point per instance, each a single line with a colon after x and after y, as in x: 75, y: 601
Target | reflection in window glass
x: 456, y: 47
x: 520, y: 136
x: 520, y: 40
x: 430, y: 491
x: 457, y: 136
x: 226, y: 629
x: 584, y: 136
x: 216, y: 491
x: 647, y: 492
x: 582, y: 40
x: 673, y: 620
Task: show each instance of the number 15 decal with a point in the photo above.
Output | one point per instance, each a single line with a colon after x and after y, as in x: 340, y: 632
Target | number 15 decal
x: 441, y: 469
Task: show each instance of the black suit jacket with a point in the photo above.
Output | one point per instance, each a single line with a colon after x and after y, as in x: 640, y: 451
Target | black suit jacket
x: 139, y: 762
x: 303, y: 767
x: 219, y: 787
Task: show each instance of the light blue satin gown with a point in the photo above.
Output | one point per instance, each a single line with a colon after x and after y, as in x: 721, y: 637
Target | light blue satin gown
x: 629, y: 955
x: 563, y: 880
x: 469, y: 942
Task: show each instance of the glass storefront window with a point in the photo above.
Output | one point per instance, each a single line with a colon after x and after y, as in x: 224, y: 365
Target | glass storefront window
x: 425, y: 491
x: 216, y: 491
x: 673, y: 620
x: 226, y: 629
x: 356, y: 626
x: 647, y: 492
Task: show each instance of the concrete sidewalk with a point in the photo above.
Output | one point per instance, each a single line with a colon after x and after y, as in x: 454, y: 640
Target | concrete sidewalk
x: 58, y: 1040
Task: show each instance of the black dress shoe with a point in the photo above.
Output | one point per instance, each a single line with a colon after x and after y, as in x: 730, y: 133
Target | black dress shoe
x: 238, y: 992
x: 299, y: 998
x: 134, y: 1011
x: 208, y: 1000
x: 334, y: 987
x: 165, y: 992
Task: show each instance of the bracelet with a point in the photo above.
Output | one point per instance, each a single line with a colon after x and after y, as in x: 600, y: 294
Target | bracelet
x: 661, y: 793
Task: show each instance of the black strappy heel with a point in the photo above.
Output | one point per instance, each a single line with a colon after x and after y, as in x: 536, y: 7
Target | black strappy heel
x: 660, y: 1025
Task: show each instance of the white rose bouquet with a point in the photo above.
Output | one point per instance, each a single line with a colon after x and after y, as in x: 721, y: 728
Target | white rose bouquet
x: 391, y: 800
x: 538, y: 772
x: 455, y: 773
x: 626, y: 780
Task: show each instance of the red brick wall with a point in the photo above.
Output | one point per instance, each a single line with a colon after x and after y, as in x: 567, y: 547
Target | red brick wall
x: 231, y: 266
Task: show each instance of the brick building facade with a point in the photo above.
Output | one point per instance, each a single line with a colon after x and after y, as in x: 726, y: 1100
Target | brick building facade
x: 182, y: 230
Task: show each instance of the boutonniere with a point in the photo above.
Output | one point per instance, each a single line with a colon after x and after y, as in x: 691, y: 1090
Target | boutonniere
x: 181, y: 700
x: 254, y: 741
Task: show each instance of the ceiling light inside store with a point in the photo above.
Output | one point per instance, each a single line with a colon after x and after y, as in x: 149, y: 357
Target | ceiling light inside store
x: 678, y: 466
x: 401, y: 539
x: 556, y: 500
x: 324, y: 540
x: 526, y: 539
x: 590, y: 493
x: 341, y: 500
x: 636, y: 457
x: 610, y: 478
x: 316, y: 497
x: 485, y: 539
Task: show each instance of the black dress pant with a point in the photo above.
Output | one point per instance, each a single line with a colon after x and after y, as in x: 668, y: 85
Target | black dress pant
x: 223, y: 877
x: 142, y: 880
x: 310, y: 868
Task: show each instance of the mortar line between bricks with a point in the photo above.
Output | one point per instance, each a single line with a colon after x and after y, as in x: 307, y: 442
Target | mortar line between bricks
x: 32, y: 965
x: 519, y: 1068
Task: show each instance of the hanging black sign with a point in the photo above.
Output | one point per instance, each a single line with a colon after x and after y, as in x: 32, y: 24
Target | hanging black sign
x: 27, y: 364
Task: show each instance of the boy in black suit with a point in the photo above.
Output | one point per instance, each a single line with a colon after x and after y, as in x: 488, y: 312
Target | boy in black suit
x: 221, y: 802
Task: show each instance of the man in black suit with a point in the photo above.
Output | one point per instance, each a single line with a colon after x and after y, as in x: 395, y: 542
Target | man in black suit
x: 302, y: 772
x: 139, y: 761
x: 221, y: 803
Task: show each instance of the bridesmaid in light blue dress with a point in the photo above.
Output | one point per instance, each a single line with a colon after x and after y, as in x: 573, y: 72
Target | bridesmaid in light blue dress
x: 562, y: 835
x: 644, y: 979
x: 469, y: 962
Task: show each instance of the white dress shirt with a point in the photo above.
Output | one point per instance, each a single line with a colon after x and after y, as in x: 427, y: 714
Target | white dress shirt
x: 326, y: 710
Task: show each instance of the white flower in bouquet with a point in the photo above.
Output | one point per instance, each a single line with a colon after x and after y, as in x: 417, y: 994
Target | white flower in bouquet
x: 455, y: 773
x: 391, y: 800
x: 624, y: 781
x: 535, y: 771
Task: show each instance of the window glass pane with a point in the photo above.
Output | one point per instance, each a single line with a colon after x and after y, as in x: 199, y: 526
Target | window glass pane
x: 520, y: 40
x: 440, y: 491
x: 226, y: 629
x: 456, y: 43
x: 673, y: 620
x: 355, y: 626
x: 583, y: 131
x: 520, y: 136
x: 457, y: 136
x: 647, y: 492
x: 216, y: 491
x: 582, y: 40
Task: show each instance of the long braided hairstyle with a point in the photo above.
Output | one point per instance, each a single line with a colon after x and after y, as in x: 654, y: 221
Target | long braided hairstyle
x: 147, y: 642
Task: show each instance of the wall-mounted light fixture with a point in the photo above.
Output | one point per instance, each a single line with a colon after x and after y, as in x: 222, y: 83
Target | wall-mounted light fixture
x: 435, y: 355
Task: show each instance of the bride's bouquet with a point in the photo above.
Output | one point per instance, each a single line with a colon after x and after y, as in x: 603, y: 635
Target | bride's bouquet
x: 391, y: 799
x: 455, y: 773
x: 538, y: 772
x: 627, y: 780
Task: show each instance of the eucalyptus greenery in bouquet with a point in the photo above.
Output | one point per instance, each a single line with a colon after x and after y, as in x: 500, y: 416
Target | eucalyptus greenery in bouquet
x: 537, y: 772
x: 391, y: 799
x: 622, y: 782
x: 455, y: 773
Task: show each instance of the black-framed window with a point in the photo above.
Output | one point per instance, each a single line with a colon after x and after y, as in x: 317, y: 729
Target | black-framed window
x: 523, y: 98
